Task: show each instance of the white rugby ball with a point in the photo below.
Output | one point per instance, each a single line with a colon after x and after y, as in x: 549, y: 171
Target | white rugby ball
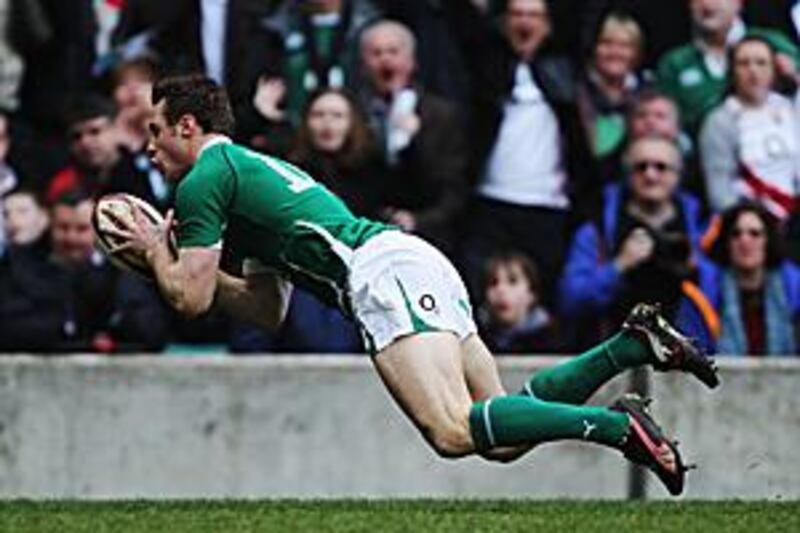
x: 111, y: 208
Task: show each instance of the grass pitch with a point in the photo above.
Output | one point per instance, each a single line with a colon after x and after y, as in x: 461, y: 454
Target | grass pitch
x: 462, y: 516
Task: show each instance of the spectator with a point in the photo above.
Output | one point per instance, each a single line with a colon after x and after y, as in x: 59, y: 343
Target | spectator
x: 758, y: 298
x: 441, y: 67
x: 644, y: 247
x: 72, y: 300
x: 655, y: 113
x: 217, y: 37
x: 513, y: 318
x: 8, y: 178
x: 25, y: 218
x: 132, y: 82
x: 99, y: 164
x: 58, y: 45
x: 421, y: 136
x: 335, y: 145
x: 313, y: 44
x: 608, y: 90
x: 666, y: 25
x: 12, y: 65
x: 695, y: 74
x: 529, y: 150
x: 750, y: 144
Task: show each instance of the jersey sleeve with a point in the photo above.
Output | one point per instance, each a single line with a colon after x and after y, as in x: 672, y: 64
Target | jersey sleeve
x: 200, y: 205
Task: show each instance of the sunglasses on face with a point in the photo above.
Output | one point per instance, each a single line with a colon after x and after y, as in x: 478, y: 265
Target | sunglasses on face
x: 645, y: 165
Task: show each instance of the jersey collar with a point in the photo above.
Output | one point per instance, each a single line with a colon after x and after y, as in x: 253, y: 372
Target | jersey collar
x: 213, y: 141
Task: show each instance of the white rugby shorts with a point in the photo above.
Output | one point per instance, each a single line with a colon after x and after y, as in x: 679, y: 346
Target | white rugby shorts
x: 401, y: 285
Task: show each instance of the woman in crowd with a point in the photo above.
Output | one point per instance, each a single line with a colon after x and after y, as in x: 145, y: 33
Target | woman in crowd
x: 750, y: 144
x: 608, y: 89
x: 759, y: 292
x: 334, y: 143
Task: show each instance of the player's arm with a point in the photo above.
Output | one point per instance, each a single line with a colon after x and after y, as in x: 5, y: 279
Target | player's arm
x: 262, y: 298
x: 187, y: 283
x: 188, y: 279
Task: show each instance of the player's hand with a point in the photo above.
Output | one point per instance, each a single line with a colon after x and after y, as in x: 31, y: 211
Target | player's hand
x: 269, y: 95
x: 141, y: 237
x: 637, y: 248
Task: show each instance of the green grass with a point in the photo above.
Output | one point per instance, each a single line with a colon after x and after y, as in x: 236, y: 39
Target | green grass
x: 462, y: 516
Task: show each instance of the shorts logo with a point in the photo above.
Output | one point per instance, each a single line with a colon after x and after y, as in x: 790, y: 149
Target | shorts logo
x: 427, y: 302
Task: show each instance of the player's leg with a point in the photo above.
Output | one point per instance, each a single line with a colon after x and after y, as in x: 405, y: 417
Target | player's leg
x: 425, y: 374
x: 483, y: 380
x: 645, y: 338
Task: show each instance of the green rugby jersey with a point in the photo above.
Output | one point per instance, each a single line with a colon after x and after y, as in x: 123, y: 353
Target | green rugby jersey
x: 267, y: 209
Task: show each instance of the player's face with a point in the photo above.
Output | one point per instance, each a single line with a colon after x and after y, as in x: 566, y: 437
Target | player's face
x: 655, y: 117
x: 25, y: 220
x: 168, y: 151
x: 509, y: 295
x: 72, y: 232
x: 714, y: 16
x: 388, y: 60
x: 329, y: 122
x: 748, y: 243
x: 95, y: 143
x: 753, y: 72
x: 615, y: 54
x: 527, y: 25
x: 655, y: 171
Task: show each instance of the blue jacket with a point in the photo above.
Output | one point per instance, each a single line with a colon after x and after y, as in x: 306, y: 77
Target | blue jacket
x: 780, y: 330
x: 591, y: 282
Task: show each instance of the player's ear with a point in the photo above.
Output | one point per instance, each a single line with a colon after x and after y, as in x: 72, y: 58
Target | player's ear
x: 187, y: 126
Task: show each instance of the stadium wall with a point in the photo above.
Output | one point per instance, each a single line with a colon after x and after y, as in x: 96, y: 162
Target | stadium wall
x: 156, y: 427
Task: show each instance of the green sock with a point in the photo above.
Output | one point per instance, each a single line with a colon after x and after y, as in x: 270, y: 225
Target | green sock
x: 516, y: 420
x: 577, y: 379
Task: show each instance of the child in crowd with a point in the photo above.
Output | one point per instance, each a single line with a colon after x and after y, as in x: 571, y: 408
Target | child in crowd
x: 512, y: 317
x: 24, y: 216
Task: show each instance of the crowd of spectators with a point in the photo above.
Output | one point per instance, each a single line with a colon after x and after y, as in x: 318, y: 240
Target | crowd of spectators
x: 572, y: 157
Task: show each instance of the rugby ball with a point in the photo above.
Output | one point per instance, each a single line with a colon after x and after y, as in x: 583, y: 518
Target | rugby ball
x: 108, y: 211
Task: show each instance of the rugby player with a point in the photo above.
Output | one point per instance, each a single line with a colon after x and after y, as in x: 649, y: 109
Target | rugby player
x: 406, y: 297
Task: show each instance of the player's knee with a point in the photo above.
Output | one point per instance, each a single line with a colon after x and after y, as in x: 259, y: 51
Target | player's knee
x: 451, y: 440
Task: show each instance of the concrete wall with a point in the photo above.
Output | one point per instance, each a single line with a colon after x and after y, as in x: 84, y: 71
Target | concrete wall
x: 325, y: 427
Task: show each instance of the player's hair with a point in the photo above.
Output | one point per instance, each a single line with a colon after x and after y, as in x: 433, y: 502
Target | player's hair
x: 359, y: 144
x: 195, y: 95
x: 87, y: 106
x: 775, y: 251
